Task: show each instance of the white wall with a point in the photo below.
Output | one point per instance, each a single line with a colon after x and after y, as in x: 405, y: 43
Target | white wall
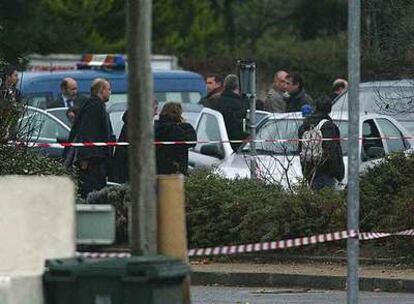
x: 37, y: 222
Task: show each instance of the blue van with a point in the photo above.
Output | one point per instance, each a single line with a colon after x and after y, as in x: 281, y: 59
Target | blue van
x: 40, y: 89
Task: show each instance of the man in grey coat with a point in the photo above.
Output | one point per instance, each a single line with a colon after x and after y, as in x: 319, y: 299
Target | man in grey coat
x: 275, y: 100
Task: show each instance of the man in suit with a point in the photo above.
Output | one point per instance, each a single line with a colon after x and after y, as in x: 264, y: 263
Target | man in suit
x: 92, y: 125
x: 69, y: 92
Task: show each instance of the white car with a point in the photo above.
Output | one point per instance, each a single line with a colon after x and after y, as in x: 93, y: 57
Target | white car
x: 394, y: 98
x: 279, y: 161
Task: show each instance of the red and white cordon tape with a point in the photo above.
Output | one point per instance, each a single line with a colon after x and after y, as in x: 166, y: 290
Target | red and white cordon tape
x: 264, y: 246
x: 113, y: 144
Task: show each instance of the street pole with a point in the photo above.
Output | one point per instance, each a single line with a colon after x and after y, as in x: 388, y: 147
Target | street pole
x: 247, y: 78
x: 354, y: 26
x: 143, y: 213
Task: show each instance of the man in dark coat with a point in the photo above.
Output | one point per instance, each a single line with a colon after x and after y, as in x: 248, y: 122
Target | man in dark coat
x: 92, y: 125
x: 298, y: 96
x: 233, y: 108
x: 214, y: 85
x: 330, y: 169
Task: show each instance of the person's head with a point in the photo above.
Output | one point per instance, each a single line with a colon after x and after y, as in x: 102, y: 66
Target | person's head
x: 69, y: 87
x: 323, y: 105
x: 172, y: 111
x: 11, y: 76
x: 101, y: 88
x: 279, y: 80
x: 295, y: 83
x: 213, y: 81
x: 231, y: 83
x: 339, y: 86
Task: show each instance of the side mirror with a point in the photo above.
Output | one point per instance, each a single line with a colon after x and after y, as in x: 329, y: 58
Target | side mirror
x: 212, y: 150
x: 375, y: 152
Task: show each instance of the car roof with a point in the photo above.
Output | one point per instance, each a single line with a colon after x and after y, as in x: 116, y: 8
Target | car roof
x: 334, y: 115
x: 388, y: 83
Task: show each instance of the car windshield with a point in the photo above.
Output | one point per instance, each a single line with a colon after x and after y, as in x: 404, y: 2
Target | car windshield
x: 285, y: 129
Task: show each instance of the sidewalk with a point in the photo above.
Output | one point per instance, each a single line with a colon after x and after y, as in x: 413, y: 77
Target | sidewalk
x: 317, y: 275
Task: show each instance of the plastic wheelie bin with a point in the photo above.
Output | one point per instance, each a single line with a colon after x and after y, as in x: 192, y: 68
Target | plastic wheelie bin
x: 139, y: 279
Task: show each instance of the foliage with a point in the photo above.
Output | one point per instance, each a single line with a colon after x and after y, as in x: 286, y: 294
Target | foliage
x: 222, y: 211
x: 22, y: 161
x: 210, y: 35
x: 118, y: 196
x: 387, y: 201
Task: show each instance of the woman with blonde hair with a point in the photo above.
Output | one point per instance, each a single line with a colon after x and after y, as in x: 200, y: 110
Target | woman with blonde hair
x: 170, y: 126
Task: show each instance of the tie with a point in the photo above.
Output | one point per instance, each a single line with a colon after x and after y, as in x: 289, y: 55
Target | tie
x: 69, y: 103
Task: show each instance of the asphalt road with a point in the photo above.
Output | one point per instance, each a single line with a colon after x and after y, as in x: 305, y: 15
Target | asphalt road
x: 241, y: 295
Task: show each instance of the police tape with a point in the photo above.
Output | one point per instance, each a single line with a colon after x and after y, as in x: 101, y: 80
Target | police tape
x: 178, y: 142
x: 265, y: 246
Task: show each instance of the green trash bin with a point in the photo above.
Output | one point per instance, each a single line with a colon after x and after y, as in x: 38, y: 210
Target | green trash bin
x: 139, y: 279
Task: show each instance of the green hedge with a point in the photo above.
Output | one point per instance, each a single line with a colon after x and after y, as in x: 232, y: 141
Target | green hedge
x: 223, y: 212
x: 22, y: 161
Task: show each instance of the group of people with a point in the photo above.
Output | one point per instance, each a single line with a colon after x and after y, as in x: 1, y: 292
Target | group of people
x: 91, y: 123
x: 322, y: 161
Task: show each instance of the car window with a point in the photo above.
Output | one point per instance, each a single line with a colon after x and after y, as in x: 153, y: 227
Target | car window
x: 287, y: 129
x: 39, y: 100
x: 61, y: 114
x: 397, y: 143
x: 372, y: 145
x: 390, y: 100
x: 38, y: 126
x: 208, y: 130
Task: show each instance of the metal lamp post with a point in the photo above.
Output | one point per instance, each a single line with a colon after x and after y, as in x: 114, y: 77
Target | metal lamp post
x: 247, y: 79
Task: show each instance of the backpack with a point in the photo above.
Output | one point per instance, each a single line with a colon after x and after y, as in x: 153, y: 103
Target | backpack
x: 312, y: 150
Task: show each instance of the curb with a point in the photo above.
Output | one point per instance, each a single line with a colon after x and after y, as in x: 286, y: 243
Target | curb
x: 297, y: 280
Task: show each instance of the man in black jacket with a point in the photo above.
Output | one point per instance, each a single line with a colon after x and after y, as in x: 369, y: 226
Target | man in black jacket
x: 233, y: 108
x: 298, y: 96
x: 92, y: 125
x: 329, y: 169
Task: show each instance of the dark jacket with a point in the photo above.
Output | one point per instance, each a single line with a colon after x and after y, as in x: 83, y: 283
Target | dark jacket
x: 234, y: 110
x: 297, y: 100
x: 120, y: 161
x: 332, y: 164
x: 173, y: 159
x: 92, y: 125
x: 211, y: 98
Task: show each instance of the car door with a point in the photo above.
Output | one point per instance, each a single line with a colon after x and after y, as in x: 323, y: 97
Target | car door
x: 372, y: 148
x: 213, y: 146
x: 37, y: 126
x: 395, y: 140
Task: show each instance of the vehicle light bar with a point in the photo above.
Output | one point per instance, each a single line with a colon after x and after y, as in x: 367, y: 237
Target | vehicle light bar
x: 102, y: 61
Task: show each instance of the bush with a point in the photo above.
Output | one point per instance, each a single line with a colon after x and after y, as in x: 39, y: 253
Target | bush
x: 387, y: 202
x: 22, y: 161
x: 117, y: 196
x: 222, y: 211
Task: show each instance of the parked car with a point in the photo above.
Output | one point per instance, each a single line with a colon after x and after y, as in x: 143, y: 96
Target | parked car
x: 279, y: 161
x: 394, y: 98
x: 38, y: 126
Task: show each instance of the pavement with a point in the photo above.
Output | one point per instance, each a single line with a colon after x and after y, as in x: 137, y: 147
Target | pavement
x: 304, y: 274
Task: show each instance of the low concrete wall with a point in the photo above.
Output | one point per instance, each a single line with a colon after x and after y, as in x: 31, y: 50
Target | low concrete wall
x: 37, y: 222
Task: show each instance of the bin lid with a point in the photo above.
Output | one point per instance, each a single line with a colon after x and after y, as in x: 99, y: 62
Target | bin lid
x: 138, y: 268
